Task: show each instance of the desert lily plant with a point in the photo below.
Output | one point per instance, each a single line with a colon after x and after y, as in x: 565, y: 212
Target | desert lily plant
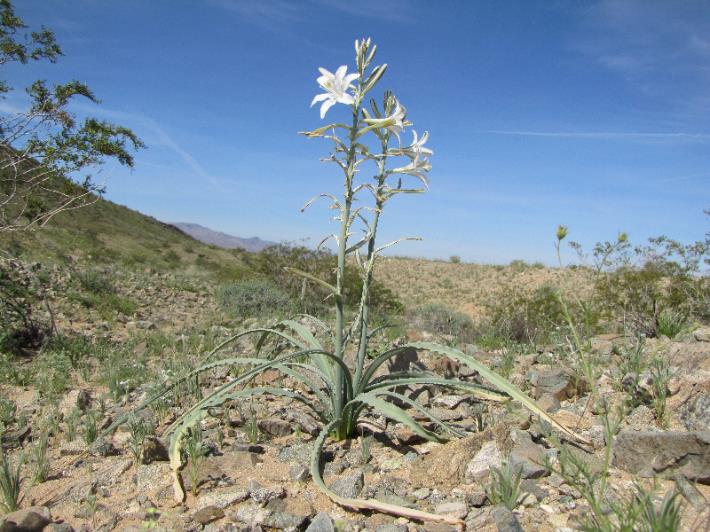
x: 331, y: 371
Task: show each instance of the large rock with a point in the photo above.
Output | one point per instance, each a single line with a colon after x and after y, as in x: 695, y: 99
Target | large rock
x: 560, y: 383
x: 702, y: 335
x: 32, y: 519
x: 445, y: 466
x: 695, y: 414
x: 487, y: 458
x: 348, y: 486
x: 665, y: 454
x: 527, y: 456
x: 321, y: 523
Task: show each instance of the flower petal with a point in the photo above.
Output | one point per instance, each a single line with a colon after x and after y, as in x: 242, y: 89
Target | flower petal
x: 319, y: 98
x: 326, y: 105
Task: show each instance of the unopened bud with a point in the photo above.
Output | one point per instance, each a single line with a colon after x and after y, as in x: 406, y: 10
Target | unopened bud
x: 561, y: 232
x: 623, y: 237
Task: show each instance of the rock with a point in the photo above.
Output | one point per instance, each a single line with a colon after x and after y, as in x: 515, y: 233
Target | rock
x: 58, y: 527
x: 154, y: 450
x: 208, y: 514
x: 321, y: 523
x: 560, y: 383
x: 281, y: 518
x: 421, y: 493
x: 696, y: 413
x: 456, y: 509
x: 527, y: 456
x: 275, y: 427
x: 691, y: 493
x: 664, y: 453
x: 506, y: 520
x: 349, y: 486
x: 448, y: 401
x: 32, y: 519
x: 222, y: 499
x: 480, y: 519
x: 477, y: 498
x: 299, y: 473
x: 702, y: 335
x: 303, y: 420
x: 549, y: 403
x: 262, y: 495
x: 445, y: 466
x: 80, y: 399
x: 486, y: 458
x: 11, y: 439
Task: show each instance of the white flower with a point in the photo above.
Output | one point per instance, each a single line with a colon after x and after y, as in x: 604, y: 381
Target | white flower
x: 336, y: 87
x: 418, y: 167
x: 416, y: 149
x: 397, y: 119
x: 393, y: 123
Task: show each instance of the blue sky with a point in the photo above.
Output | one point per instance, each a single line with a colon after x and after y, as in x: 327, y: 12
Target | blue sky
x: 591, y: 114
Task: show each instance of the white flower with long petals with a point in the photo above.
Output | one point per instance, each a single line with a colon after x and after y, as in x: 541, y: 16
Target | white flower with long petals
x: 397, y: 117
x: 336, y: 87
x: 418, y: 167
x: 416, y: 149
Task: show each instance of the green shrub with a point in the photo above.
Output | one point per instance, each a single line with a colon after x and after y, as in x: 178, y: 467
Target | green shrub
x: 95, y: 282
x: 440, y: 319
x: 670, y: 323
x: 309, y: 297
x: 253, y: 298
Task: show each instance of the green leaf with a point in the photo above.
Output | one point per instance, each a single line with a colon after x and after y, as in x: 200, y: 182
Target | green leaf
x: 397, y: 414
x: 497, y: 381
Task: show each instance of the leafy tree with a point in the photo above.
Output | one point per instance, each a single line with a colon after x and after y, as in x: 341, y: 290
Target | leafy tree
x: 44, y: 148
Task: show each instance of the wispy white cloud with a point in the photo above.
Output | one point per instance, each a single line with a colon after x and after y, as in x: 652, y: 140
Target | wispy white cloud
x: 158, y: 135
x: 605, y: 135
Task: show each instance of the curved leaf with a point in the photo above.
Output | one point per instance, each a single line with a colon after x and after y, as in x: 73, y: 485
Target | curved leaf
x: 499, y: 382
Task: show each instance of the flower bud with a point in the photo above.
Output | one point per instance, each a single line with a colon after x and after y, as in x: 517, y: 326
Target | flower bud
x: 622, y: 238
x: 561, y: 232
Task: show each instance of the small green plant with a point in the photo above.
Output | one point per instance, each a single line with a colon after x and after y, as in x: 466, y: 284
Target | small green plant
x: 10, y: 483
x: 455, y: 259
x: 40, y: 460
x: 670, y: 323
x: 91, y: 428
x: 661, y: 375
x: 138, y: 428
x: 252, y: 425
x: 504, y: 487
x: 8, y: 410
x: 71, y: 424
x: 195, y: 451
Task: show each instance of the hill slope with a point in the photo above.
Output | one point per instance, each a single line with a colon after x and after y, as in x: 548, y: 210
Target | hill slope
x: 107, y: 233
x: 222, y: 240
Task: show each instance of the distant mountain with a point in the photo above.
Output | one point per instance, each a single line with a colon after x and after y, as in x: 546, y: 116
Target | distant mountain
x: 223, y: 240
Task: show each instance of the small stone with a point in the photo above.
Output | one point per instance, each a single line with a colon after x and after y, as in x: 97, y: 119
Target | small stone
x: 527, y: 456
x: 263, y: 495
x: 505, y: 520
x: 456, y: 509
x: 549, y: 403
x: 222, y: 499
x: 702, y: 334
x: 448, y: 401
x: 32, y: 519
x: 349, y: 486
x: 275, y: 427
x: 484, y: 460
x: 299, y: 473
x: 154, y: 450
x: 421, y: 493
x: 321, y: 523
x: 208, y: 514
x: 477, y: 498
